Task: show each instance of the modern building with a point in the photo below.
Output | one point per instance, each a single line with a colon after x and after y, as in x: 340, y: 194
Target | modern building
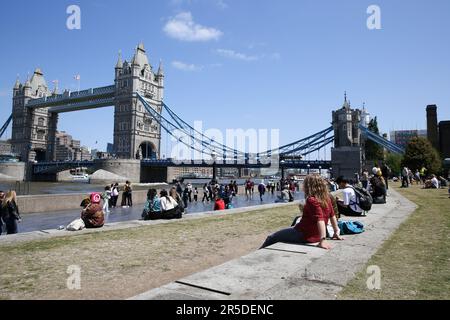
x: 403, y: 137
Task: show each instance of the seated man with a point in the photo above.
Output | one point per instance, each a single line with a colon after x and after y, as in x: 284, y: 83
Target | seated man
x: 434, y: 182
x: 93, y: 215
x: 348, y: 206
x: 378, y: 189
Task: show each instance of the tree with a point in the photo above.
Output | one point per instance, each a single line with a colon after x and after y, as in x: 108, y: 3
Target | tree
x: 394, y: 161
x: 373, y: 150
x: 420, y: 153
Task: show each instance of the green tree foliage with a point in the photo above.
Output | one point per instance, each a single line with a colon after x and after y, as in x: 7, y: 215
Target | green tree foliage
x: 420, y: 153
x: 373, y: 150
x: 394, y: 161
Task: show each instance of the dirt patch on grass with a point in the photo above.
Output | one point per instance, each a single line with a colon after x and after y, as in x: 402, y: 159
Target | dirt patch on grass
x: 415, y: 261
x: 120, y: 264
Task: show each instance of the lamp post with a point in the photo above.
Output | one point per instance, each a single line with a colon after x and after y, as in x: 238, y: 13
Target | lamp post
x: 214, y: 157
x: 320, y: 170
x: 282, y: 162
x: 308, y: 166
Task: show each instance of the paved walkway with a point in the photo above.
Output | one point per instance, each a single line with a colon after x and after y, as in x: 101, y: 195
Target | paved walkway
x: 292, y: 272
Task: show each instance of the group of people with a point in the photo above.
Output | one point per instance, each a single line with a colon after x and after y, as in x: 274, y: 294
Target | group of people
x: 168, y: 205
x: 9, y: 212
x: 111, y: 193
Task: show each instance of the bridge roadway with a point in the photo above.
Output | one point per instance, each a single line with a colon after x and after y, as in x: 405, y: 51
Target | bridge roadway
x: 75, y: 101
x: 59, y: 166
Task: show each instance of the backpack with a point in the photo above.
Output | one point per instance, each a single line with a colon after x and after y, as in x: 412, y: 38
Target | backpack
x: 351, y: 227
x: 363, y: 198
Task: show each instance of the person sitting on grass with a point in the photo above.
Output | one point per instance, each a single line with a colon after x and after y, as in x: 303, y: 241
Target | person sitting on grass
x: 318, y: 209
x: 93, y: 215
x: 152, y: 208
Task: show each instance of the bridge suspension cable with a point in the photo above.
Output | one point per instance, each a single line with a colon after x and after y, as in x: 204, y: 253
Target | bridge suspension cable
x: 183, y: 125
x: 170, y: 128
x: 5, y: 126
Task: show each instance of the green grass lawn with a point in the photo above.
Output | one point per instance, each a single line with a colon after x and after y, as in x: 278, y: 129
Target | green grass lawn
x: 415, y: 261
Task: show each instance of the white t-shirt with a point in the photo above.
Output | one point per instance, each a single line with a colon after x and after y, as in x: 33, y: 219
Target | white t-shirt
x: 435, y: 183
x: 350, y: 199
x: 168, y: 204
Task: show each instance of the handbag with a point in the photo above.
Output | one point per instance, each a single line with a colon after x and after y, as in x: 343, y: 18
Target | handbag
x: 76, y: 225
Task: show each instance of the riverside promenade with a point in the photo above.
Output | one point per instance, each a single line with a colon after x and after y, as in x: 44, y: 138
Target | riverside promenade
x: 292, y: 272
x: 206, y: 256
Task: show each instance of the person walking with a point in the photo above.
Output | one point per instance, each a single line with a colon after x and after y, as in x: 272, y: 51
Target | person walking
x: 114, y: 195
x: 195, y: 192
x: 10, y: 212
x: 205, y: 193
x: 106, y: 197
x: 365, y: 179
x: 129, y: 196
x: 186, y: 197
x: 261, y: 190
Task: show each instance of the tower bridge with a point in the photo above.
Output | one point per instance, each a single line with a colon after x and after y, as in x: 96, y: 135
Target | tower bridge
x: 140, y: 117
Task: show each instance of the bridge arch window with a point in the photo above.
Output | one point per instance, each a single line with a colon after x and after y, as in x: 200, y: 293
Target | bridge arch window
x: 41, y: 122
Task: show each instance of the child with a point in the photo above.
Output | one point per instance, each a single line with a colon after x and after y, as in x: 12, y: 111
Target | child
x: 195, y: 194
x: 106, y: 196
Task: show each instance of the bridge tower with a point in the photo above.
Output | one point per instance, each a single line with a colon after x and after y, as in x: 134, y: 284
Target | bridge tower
x: 136, y: 134
x: 347, y: 156
x: 30, y: 128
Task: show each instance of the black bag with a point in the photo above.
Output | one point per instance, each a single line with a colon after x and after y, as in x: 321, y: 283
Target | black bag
x: 363, y: 197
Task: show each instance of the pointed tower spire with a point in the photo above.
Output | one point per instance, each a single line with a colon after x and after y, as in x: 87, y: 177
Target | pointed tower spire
x: 161, y: 68
x: 119, y: 64
x: 17, y: 84
x: 345, y: 96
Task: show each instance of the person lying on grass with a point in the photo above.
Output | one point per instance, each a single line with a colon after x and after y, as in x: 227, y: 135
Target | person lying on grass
x: 317, y: 211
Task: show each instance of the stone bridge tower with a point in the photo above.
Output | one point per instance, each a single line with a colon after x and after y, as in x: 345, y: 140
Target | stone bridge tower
x: 136, y: 134
x: 30, y: 128
x: 347, y: 156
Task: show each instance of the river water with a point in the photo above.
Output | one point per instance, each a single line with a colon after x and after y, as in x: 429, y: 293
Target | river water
x: 36, y: 188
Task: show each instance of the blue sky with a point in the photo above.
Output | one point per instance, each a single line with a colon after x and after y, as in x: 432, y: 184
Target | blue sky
x: 240, y: 63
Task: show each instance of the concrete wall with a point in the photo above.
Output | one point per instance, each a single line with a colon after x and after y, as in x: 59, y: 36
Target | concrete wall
x: 130, y: 169
x: 12, y: 171
x: 61, y: 202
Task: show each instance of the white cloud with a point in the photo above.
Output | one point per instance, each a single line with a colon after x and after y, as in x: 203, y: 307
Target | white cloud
x: 182, y: 27
x: 236, y: 55
x: 4, y: 93
x: 186, y: 66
